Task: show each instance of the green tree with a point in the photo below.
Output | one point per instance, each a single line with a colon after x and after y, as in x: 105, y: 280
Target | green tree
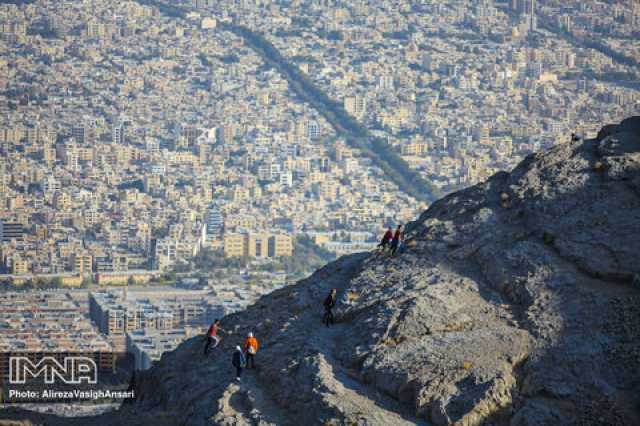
x: 182, y: 267
x: 57, y: 282
x: 87, y: 281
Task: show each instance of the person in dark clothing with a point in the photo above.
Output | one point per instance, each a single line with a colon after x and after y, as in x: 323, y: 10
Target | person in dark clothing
x: 402, y: 244
x: 238, y: 361
x: 329, y: 303
x: 386, y: 239
x: 212, y: 335
x: 396, y: 240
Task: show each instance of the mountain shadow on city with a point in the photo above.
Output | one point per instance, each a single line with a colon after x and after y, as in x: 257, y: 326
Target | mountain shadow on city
x: 516, y: 302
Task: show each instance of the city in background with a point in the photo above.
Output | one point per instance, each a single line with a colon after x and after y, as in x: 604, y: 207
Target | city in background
x: 164, y: 164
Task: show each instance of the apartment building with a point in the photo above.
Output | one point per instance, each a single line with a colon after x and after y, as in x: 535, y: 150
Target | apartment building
x: 258, y: 245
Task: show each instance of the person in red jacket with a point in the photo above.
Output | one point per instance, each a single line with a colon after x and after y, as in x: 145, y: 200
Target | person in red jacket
x: 386, y: 239
x: 212, y: 335
x: 396, y: 240
x: 250, y: 350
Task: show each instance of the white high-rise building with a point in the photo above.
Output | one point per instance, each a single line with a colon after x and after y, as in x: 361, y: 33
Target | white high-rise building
x: 286, y: 178
x: 119, y: 132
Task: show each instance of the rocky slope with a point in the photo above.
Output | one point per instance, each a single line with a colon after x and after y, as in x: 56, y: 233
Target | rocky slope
x: 516, y: 303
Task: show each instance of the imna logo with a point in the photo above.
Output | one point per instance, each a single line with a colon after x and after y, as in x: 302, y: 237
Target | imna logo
x: 72, y: 370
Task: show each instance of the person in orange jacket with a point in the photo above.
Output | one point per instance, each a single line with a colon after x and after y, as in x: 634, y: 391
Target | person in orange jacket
x: 250, y: 350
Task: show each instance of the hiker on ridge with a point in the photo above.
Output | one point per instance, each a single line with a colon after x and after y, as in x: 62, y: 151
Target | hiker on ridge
x: 238, y: 362
x: 386, y: 239
x: 402, y: 244
x: 396, y: 240
x: 329, y: 303
x: 250, y: 350
x: 212, y: 335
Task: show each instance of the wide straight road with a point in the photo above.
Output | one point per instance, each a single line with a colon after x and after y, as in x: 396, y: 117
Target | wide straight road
x: 357, y: 135
x: 347, y: 127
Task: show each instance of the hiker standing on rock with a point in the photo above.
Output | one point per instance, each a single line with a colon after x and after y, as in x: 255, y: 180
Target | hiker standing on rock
x: 238, y: 361
x: 212, y: 335
x: 329, y: 303
x: 250, y: 350
x: 396, y: 240
x: 402, y: 244
x: 386, y: 239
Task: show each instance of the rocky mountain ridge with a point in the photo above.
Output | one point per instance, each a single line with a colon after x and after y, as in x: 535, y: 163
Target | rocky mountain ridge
x: 516, y: 303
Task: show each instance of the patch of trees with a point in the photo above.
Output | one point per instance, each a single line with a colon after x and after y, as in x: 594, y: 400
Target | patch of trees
x: 204, y: 60
x: 214, y: 259
x: 166, y: 8
x: 137, y: 184
x: 397, y: 35
x: 229, y: 59
x: 32, y: 284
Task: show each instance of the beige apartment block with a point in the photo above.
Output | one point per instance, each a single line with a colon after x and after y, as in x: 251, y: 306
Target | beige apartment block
x: 82, y: 263
x: 234, y: 245
x: 19, y: 266
x: 280, y: 245
x: 62, y: 201
x: 415, y: 149
x: 259, y: 245
x: 355, y: 105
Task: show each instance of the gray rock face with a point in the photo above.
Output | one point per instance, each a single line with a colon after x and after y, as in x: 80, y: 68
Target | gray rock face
x: 516, y: 303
